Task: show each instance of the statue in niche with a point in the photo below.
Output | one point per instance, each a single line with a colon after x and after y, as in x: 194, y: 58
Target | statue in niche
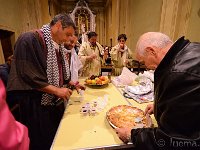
x: 82, y: 24
x: 83, y: 27
x: 83, y: 18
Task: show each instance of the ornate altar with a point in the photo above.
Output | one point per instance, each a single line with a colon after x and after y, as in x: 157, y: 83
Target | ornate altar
x: 83, y: 18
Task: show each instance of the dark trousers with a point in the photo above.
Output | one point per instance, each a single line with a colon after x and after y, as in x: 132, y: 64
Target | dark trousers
x: 42, y: 121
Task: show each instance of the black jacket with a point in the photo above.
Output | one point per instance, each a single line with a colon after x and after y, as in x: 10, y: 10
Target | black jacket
x: 177, y: 101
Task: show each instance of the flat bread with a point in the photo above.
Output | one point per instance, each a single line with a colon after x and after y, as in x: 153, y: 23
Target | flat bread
x: 127, y: 116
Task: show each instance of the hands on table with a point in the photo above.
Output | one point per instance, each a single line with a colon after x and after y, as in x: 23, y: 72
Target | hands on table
x: 149, y: 109
x: 125, y: 133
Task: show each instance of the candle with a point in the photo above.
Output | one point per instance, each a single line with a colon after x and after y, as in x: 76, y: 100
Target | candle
x: 78, y: 24
x: 86, y: 24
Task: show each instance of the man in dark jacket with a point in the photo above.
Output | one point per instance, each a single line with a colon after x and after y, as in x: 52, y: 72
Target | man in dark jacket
x: 177, y: 94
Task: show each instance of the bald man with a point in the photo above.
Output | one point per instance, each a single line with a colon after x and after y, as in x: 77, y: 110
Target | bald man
x: 177, y: 94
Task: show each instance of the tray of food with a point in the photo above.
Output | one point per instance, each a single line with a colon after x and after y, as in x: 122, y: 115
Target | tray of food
x: 128, y: 116
x: 97, y: 80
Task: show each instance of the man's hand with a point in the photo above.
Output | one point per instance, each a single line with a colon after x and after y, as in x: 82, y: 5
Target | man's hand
x: 126, y: 61
x: 149, y: 109
x: 91, y: 57
x: 77, y: 86
x: 124, y: 134
x: 63, y: 93
x: 80, y: 86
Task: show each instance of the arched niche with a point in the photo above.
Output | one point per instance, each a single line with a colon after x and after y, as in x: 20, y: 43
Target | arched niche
x: 83, y: 17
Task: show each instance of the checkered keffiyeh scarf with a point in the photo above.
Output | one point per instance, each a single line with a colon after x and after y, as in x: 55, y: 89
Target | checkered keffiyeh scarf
x: 52, y: 65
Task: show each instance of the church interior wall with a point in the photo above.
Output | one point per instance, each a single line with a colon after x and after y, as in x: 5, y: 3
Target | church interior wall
x: 194, y: 22
x: 18, y: 16
x: 133, y: 18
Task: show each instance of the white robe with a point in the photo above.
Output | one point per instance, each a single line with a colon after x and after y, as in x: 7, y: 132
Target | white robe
x: 90, y: 67
x: 119, y: 58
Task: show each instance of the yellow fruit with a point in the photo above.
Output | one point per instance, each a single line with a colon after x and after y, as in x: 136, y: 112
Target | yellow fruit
x: 96, y: 78
x: 93, y: 82
x: 89, y: 81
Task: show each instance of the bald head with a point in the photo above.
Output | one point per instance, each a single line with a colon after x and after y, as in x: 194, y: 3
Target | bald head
x: 154, y: 44
x: 148, y: 39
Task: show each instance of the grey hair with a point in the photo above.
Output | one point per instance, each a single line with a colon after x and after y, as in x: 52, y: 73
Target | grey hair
x: 149, y: 39
x: 65, y: 20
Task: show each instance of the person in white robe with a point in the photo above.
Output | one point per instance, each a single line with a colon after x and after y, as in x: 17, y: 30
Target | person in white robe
x: 120, y: 54
x: 90, y: 56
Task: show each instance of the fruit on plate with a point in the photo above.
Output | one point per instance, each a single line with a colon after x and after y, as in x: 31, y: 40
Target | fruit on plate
x: 92, y: 77
x: 102, y: 78
x: 97, y: 80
